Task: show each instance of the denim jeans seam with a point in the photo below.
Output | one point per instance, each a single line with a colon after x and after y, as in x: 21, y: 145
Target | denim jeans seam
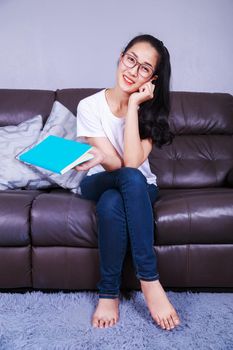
x: 106, y: 295
x: 149, y: 278
x: 129, y: 225
x: 124, y: 245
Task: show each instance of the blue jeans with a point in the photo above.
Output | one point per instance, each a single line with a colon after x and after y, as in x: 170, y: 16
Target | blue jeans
x: 124, y: 215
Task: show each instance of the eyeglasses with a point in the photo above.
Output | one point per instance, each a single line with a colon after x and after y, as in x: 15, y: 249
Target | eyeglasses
x: 144, y: 70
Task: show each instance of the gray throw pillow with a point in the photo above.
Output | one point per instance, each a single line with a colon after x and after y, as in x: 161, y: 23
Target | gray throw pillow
x: 14, y: 139
x: 61, y: 122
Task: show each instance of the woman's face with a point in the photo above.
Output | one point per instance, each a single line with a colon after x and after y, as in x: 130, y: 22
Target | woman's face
x: 145, y: 54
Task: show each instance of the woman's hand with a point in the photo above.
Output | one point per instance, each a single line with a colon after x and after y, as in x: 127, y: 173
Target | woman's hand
x: 146, y: 92
x: 98, y: 158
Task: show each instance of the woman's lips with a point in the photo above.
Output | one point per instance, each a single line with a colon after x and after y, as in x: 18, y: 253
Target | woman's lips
x: 128, y: 82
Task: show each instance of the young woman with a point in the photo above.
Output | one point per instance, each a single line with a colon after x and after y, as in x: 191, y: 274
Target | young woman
x: 122, y: 123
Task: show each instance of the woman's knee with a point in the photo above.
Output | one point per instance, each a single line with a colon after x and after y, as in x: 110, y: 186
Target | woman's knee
x: 110, y: 201
x: 133, y: 175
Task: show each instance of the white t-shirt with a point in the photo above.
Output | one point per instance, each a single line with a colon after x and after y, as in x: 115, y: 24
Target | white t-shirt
x: 95, y: 119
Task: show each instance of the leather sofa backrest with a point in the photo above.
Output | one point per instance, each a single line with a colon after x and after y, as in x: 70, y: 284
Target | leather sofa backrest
x: 201, y: 154
x: 17, y: 105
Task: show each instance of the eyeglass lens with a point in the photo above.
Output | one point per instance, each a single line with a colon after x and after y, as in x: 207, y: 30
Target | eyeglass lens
x: 130, y: 62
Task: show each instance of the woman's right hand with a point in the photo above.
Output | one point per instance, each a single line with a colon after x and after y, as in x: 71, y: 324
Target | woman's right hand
x: 145, y: 92
x: 98, y: 159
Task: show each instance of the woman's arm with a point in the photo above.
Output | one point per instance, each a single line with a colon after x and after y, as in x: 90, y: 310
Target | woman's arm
x: 136, y: 151
x: 104, y: 154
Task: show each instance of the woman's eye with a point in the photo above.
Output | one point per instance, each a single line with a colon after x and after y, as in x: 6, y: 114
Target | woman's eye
x: 130, y: 59
x: 145, y: 69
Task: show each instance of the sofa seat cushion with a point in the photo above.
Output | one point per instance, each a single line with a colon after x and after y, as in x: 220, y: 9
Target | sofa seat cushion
x: 182, y: 216
x: 15, y: 210
x: 189, y: 216
x: 61, y: 218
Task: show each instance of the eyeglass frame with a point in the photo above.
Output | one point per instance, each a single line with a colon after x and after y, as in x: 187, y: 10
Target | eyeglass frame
x: 139, y: 65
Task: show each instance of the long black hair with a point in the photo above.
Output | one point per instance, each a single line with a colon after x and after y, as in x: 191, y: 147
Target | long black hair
x: 153, y: 113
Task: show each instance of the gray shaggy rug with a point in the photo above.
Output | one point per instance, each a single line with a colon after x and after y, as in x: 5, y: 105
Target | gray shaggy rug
x: 62, y: 321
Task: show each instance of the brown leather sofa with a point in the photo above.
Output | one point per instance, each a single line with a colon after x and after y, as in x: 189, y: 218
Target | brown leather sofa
x: 48, y: 238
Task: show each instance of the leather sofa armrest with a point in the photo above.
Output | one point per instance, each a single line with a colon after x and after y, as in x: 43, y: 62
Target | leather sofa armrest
x: 230, y: 178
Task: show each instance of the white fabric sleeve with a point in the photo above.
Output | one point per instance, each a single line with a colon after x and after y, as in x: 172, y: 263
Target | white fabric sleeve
x: 88, y: 122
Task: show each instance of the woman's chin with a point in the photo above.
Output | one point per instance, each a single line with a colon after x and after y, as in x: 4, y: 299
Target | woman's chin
x: 128, y: 89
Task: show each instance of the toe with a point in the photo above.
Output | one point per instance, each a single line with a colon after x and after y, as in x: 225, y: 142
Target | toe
x: 171, y: 323
x: 111, y: 323
x: 157, y: 319
x: 106, y: 323
x: 95, y: 322
x: 166, y: 324
x: 162, y: 324
x: 101, y: 323
x: 175, y: 319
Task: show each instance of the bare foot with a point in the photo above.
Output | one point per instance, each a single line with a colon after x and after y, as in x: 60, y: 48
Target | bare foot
x: 160, y: 307
x: 106, y: 313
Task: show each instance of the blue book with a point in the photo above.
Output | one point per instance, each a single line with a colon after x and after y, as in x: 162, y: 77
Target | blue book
x: 57, y: 154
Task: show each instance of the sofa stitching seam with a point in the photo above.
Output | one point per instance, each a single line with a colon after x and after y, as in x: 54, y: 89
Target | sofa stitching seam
x: 30, y: 233
x: 188, y: 243
x: 68, y: 215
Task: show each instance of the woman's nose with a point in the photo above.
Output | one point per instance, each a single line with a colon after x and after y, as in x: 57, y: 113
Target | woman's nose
x: 134, y: 70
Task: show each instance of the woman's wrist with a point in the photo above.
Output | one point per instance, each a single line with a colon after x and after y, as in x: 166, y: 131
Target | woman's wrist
x: 133, y: 104
x: 104, y: 158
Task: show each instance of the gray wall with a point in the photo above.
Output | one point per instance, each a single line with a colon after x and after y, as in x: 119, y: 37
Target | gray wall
x: 50, y: 44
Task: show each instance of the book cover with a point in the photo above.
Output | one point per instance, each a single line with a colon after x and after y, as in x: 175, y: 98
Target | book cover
x: 57, y: 154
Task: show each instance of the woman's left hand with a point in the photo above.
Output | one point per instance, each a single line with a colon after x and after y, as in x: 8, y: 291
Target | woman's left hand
x: 146, y: 92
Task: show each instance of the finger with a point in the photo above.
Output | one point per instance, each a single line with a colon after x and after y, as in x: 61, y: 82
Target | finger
x: 149, y: 88
x: 93, y: 151
x: 143, y: 88
x: 79, y: 168
x: 83, y: 166
x: 89, y: 164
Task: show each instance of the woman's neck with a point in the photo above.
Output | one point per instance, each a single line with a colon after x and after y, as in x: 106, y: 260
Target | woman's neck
x: 118, y: 98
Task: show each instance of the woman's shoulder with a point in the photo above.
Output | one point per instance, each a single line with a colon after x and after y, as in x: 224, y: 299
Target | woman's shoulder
x: 91, y: 106
x: 93, y: 99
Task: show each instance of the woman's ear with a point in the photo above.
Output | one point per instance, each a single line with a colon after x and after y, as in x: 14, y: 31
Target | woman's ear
x: 154, y: 78
x: 119, y: 59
